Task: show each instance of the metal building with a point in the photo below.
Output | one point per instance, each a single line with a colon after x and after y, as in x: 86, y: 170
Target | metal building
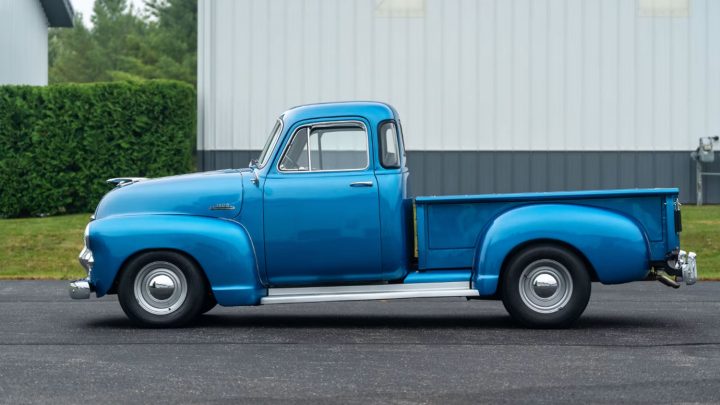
x: 495, y: 95
x: 24, y: 38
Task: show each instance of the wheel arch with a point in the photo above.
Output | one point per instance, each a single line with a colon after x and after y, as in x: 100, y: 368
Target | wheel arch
x: 221, y: 248
x: 613, y: 246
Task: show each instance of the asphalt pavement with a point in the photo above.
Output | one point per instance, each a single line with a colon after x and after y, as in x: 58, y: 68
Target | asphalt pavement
x: 640, y: 342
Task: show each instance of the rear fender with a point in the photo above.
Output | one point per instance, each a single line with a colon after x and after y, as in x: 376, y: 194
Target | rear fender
x: 221, y: 247
x: 614, y: 245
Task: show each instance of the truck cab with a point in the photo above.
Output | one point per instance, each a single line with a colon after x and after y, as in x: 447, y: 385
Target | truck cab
x: 324, y: 214
x: 334, y: 196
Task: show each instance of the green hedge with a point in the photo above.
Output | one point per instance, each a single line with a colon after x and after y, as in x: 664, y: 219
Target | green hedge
x: 58, y: 144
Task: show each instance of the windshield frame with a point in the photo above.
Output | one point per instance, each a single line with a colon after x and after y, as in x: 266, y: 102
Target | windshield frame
x: 270, y: 143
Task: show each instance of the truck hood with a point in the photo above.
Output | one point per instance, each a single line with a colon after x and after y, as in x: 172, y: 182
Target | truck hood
x: 216, y: 194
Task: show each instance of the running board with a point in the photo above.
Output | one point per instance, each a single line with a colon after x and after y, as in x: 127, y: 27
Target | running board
x: 368, y: 292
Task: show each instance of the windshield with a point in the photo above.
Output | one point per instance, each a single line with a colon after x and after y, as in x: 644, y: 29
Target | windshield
x: 270, y: 143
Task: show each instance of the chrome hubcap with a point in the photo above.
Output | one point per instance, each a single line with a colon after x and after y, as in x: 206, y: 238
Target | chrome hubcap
x: 545, y: 286
x: 160, y: 288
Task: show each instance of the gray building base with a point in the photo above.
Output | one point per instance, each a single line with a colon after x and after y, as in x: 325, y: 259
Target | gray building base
x: 479, y: 172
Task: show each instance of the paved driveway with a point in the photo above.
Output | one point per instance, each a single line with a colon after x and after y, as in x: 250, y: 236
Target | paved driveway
x: 641, y: 342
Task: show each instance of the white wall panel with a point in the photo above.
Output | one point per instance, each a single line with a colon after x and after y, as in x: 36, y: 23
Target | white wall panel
x: 483, y: 119
x: 698, y: 97
x: 520, y: 78
x: 503, y: 119
x: 556, y: 79
x: 679, y: 90
x: 582, y: 75
x: 574, y: 69
x: 712, y: 87
x: 609, y: 77
x: 242, y: 71
x: 626, y: 89
x: 538, y: 74
x: 23, y: 43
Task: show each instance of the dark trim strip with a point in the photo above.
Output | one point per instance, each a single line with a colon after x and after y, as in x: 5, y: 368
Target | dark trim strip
x: 486, y: 172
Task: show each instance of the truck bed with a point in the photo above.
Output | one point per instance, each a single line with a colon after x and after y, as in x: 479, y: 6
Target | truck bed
x: 449, y: 227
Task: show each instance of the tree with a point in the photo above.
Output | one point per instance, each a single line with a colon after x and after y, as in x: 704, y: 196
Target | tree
x: 124, y: 45
x: 174, y: 38
x: 116, y: 29
x: 71, y: 54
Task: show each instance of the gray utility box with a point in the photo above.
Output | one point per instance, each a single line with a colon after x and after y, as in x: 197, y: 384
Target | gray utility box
x: 705, y: 152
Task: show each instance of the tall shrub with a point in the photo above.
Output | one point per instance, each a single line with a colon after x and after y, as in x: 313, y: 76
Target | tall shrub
x: 58, y: 144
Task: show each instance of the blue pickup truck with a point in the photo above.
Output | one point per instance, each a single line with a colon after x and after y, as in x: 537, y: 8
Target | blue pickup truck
x: 324, y: 215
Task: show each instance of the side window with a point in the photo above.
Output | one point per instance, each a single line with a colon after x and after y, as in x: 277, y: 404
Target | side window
x: 296, y: 157
x: 327, y: 148
x: 338, y: 148
x: 389, y: 149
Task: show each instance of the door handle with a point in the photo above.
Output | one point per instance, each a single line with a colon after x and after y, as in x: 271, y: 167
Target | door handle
x: 362, y: 184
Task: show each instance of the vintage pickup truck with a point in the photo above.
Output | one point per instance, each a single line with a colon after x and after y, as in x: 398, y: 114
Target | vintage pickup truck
x: 324, y: 215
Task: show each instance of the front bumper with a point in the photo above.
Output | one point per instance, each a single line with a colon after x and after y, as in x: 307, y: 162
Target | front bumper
x: 81, y: 289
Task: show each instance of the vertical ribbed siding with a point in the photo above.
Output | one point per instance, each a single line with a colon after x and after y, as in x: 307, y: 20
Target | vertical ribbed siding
x: 446, y: 172
x: 541, y: 75
x: 23, y: 43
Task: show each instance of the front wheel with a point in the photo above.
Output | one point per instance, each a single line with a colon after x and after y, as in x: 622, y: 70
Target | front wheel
x: 545, y: 286
x: 162, y: 289
x: 208, y: 304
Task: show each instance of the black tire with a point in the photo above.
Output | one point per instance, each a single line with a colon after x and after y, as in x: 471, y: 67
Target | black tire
x: 531, y: 300
x: 209, y: 303
x: 137, y: 292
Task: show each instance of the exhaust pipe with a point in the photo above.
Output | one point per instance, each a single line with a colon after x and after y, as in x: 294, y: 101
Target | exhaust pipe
x: 667, y: 281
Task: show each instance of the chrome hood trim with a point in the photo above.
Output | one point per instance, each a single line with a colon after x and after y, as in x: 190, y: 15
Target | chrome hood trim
x: 124, y: 181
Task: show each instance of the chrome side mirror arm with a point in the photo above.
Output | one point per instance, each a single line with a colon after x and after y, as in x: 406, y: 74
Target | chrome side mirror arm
x: 253, y: 166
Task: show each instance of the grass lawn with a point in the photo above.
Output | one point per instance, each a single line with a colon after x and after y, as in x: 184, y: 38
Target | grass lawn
x: 701, y: 234
x: 42, y: 248
x: 47, y: 248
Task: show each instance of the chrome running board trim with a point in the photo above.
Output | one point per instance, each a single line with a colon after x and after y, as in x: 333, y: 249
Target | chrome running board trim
x: 368, y: 292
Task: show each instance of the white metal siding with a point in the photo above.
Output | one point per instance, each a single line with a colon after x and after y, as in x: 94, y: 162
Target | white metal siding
x: 23, y: 43
x: 583, y: 75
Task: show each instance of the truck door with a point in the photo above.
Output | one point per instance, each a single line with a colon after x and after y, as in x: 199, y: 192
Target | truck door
x: 321, y: 216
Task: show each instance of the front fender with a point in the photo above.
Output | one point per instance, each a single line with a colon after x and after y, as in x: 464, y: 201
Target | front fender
x: 614, y: 244
x: 221, y: 247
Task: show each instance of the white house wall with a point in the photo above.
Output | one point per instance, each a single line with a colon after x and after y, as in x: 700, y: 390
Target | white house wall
x: 23, y: 43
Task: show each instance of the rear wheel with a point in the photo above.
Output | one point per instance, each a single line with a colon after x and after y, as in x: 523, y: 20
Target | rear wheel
x: 162, y: 289
x: 545, y: 286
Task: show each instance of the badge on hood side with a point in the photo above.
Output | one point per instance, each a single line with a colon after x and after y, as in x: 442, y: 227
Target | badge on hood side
x: 222, y: 207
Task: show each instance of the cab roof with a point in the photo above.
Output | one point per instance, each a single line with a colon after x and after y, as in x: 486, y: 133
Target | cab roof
x: 374, y: 111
